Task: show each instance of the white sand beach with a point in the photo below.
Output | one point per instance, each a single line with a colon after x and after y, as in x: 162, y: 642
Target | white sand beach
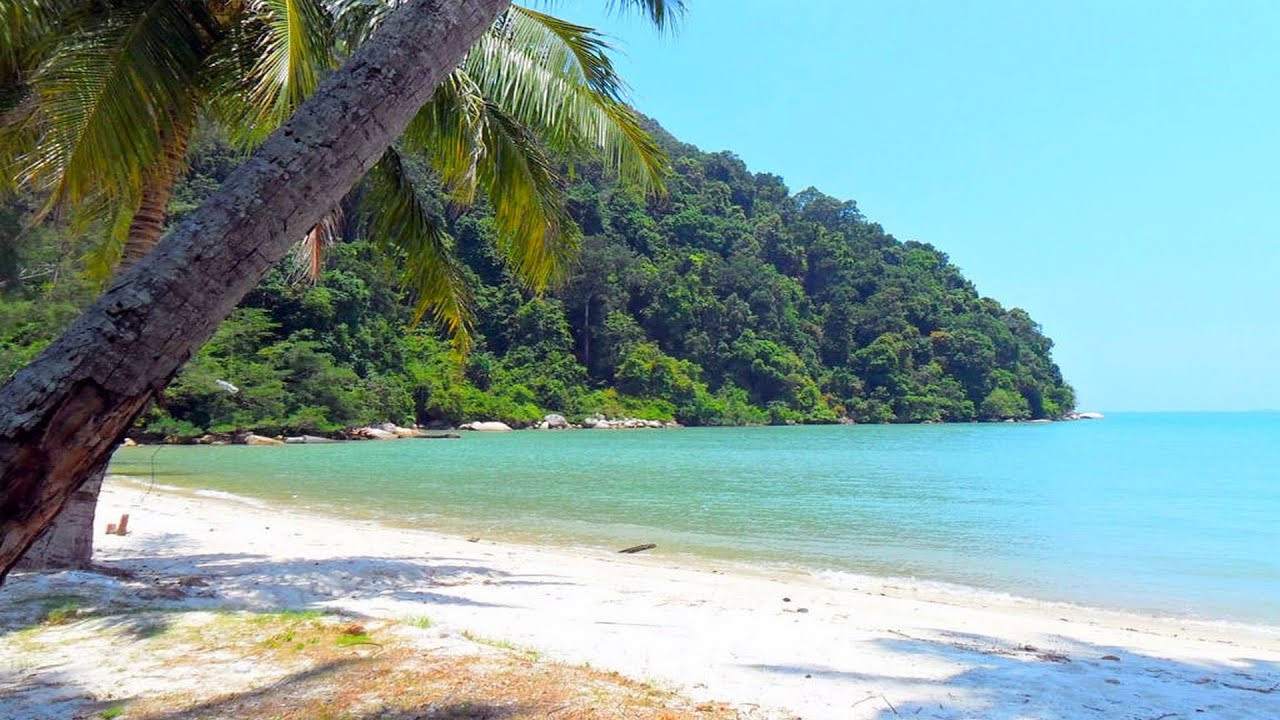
x: 767, y: 643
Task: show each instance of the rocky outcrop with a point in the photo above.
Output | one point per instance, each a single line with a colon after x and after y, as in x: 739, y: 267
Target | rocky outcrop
x: 600, y: 422
x: 553, y: 422
x: 252, y: 439
x: 485, y: 426
x: 373, y: 433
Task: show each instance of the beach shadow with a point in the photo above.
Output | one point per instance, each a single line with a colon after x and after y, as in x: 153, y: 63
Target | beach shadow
x: 52, y: 694
x: 235, y: 705
x: 259, y: 582
x: 125, y: 589
x: 1063, y: 679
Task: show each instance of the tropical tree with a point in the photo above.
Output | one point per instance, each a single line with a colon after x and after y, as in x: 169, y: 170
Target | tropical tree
x: 113, y: 93
x: 533, y: 84
x: 73, y: 403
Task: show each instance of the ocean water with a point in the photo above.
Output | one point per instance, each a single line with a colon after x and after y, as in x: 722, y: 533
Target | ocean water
x: 1167, y: 513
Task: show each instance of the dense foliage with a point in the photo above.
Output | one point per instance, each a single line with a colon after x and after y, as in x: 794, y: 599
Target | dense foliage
x: 729, y: 300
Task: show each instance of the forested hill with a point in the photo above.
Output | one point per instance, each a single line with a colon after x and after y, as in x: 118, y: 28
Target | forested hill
x: 729, y: 300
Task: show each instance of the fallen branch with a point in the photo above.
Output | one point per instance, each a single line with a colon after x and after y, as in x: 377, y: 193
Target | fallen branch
x: 869, y: 697
x: 638, y: 548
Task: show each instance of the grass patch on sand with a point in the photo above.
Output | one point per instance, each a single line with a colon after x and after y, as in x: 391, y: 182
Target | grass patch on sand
x: 507, y: 645
x: 297, y: 631
x: 60, y: 609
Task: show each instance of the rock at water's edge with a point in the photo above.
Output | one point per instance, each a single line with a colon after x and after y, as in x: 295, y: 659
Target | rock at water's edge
x: 252, y: 439
x: 485, y: 426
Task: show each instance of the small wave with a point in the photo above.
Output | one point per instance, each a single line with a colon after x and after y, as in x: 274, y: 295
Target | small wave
x: 220, y: 495
x: 147, y: 484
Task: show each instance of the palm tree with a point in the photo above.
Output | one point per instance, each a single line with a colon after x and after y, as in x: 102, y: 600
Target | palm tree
x: 108, y: 109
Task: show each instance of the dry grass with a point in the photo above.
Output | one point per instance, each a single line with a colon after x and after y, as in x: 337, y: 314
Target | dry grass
x: 398, y: 685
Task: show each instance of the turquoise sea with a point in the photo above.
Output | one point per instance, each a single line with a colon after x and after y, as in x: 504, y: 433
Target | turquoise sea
x: 1167, y: 513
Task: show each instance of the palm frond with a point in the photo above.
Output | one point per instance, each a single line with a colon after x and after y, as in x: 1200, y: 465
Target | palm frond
x: 105, y: 95
x: 557, y: 79
x: 19, y: 136
x: 448, y: 132
x: 307, y: 256
x: 664, y: 14
x: 476, y: 145
x: 102, y: 259
x: 537, y: 237
x: 355, y: 20
x: 398, y: 222
x: 293, y: 49
x: 25, y: 27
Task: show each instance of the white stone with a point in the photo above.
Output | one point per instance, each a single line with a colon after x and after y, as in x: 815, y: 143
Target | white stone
x: 486, y: 426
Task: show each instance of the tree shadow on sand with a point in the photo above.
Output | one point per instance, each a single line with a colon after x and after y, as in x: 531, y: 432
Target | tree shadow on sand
x: 123, y: 588
x: 951, y: 675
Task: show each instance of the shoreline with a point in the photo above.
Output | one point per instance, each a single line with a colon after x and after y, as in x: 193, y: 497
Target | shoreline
x: 905, y: 587
x: 789, y: 644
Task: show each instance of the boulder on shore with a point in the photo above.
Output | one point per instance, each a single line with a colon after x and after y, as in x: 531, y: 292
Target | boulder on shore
x: 252, y: 439
x: 485, y: 426
x: 374, y: 433
x: 554, y: 422
x: 308, y: 440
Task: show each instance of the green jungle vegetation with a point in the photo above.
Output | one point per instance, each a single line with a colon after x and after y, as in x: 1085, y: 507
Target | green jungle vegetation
x: 728, y: 300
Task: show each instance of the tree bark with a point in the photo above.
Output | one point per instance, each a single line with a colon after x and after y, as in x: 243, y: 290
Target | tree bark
x: 64, y: 413
x: 67, y: 544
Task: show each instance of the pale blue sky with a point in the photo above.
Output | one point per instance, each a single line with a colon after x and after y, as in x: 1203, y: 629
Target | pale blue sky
x: 1112, y: 167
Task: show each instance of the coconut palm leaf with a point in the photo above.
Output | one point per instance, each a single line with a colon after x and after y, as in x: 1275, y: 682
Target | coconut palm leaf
x: 103, y: 257
x: 536, y: 236
x: 557, y: 79
x: 355, y: 21
x: 104, y: 97
x: 475, y: 145
x: 398, y: 222
x: 25, y: 27
x: 293, y: 49
x: 307, y: 257
x: 662, y: 13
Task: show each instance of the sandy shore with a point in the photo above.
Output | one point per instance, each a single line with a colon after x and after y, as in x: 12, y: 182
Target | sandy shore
x: 773, y: 644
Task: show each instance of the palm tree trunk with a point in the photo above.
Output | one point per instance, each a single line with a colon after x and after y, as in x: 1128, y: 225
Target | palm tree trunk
x: 67, y: 544
x: 157, y: 189
x: 68, y: 541
x: 65, y: 412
